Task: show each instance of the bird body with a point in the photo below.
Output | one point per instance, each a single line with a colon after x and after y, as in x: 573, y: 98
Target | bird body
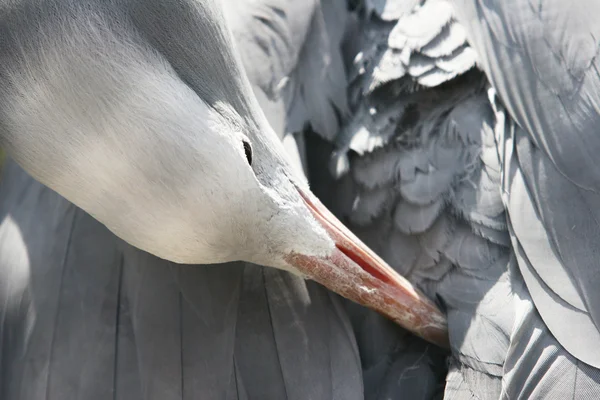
x: 452, y: 169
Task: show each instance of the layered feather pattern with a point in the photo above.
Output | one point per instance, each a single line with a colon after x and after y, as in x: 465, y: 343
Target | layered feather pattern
x: 433, y: 157
x: 420, y: 178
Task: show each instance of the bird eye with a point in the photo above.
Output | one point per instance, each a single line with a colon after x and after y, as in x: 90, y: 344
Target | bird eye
x: 248, y: 151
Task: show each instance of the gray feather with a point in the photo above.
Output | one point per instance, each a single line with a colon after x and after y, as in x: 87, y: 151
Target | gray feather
x: 410, y: 218
x: 62, y: 304
x: 555, y: 248
x: 419, y: 65
x: 543, y: 63
x: 447, y: 42
x: 370, y: 205
x: 460, y: 61
x: 537, y: 366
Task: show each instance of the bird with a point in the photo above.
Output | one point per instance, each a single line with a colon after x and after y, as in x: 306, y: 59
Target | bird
x: 449, y: 153
x: 467, y: 164
x: 140, y: 114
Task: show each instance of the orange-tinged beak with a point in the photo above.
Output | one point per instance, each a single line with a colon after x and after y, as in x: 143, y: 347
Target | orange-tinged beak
x: 357, y: 273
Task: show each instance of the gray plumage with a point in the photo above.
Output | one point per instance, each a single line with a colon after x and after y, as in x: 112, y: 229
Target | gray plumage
x: 425, y: 193
x: 489, y: 209
x: 551, y: 169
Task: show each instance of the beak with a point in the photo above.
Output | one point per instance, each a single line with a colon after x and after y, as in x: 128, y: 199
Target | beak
x: 357, y: 273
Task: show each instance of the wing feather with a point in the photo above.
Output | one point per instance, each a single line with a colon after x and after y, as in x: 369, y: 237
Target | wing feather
x: 423, y: 125
x: 551, y: 180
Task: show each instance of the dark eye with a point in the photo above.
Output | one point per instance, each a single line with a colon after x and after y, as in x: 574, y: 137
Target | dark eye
x: 248, y: 151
